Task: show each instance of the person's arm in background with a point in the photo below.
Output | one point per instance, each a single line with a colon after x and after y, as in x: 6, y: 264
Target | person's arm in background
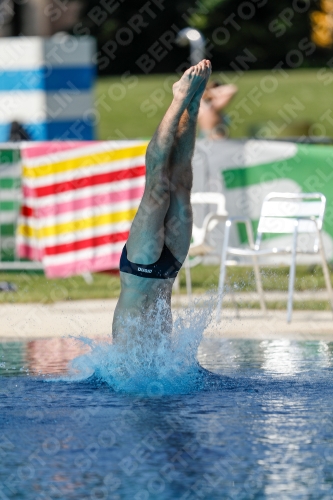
x: 221, y: 96
x: 212, y: 103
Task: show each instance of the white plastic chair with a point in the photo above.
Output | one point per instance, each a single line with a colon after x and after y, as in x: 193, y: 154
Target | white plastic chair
x: 284, y: 213
x: 200, y: 245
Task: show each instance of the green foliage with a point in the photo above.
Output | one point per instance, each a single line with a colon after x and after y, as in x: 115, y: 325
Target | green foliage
x: 199, y: 18
x: 267, y: 30
x: 108, y: 29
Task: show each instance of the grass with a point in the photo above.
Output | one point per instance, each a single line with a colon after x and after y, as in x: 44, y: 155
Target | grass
x: 133, y: 107
x: 125, y: 117
x: 35, y: 287
x: 242, y: 278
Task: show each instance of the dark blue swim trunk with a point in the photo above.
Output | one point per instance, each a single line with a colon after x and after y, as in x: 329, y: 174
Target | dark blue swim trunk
x: 167, y: 266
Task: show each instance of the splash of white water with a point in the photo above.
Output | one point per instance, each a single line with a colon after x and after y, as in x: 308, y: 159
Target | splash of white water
x: 148, y: 361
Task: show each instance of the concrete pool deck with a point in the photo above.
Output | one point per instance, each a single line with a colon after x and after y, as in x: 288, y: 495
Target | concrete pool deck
x: 93, y: 318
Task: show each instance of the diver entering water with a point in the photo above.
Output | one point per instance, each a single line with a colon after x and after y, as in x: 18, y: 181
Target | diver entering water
x: 161, y: 231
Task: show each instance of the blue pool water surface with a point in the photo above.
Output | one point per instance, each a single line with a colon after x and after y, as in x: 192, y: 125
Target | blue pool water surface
x: 262, y: 430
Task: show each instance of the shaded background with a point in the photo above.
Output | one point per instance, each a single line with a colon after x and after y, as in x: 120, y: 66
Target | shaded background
x: 266, y: 29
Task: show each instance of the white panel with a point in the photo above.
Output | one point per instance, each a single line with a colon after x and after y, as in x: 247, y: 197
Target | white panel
x: 259, y: 152
x: 38, y: 106
x: 64, y: 50
x: 210, y: 199
x: 292, y: 208
x: 21, y: 53
x: 284, y: 225
x: 26, y: 53
x: 23, y: 107
x: 67, y: 105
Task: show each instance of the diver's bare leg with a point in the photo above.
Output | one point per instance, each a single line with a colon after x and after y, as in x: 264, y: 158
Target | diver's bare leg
x: 146, y: 238
x: 178, y: 220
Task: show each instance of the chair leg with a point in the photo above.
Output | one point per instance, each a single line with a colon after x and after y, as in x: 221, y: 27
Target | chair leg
x: 188, y: 279
x: 259, y: 287
x: 88, y: 277
x: 234, y: 301
x: 292, y: 273
x: 223, y: 265
x: 176, y: 288
x: 256, y: 268
x: 326, y: 271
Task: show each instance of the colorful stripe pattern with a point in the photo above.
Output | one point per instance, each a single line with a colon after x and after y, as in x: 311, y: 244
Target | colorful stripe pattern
x: 79, y: 201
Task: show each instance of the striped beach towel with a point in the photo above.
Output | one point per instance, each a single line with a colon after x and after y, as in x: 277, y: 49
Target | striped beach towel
x: 79, y: 201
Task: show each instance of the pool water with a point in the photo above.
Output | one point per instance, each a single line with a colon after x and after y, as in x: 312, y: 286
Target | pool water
x: 261, y: 429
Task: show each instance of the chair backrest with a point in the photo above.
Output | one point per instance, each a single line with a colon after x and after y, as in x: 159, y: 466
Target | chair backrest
x: 207, y: 198
x: 210, y: 198
x: 281, y: 211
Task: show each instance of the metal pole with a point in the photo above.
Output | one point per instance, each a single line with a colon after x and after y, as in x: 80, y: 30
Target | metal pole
x: 223, y: 265
x: 325, y: 268
x: 292, y: 274
x: 188, y: 279
x: 196, y: 41
x: 256, y: 268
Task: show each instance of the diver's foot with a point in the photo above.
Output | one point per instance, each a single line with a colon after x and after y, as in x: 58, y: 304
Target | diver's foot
x: 185, y: 89
x: 194, y: 104
x: 201, y: 89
